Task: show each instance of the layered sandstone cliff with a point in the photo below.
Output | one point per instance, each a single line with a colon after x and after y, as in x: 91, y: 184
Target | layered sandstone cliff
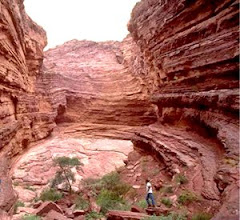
x: 22, y: 115
x: 189, y: 58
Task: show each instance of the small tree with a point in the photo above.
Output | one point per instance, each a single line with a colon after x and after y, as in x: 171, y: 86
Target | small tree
x: 64, y: 174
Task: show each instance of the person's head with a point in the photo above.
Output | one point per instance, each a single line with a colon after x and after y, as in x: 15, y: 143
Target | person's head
x: 147, y: 180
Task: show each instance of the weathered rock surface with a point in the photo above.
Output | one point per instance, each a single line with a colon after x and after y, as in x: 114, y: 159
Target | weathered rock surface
x: 46, y: 207
x: 88, y: 83
x: 23, y: 117
x: 188, y: 58
x: 35, y: 170
x: 125, y: 215
x: 7, y: 195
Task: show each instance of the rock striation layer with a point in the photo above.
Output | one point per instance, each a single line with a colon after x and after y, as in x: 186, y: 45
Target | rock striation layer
x: 188, y: 53
x: 22, y: 111
x: 89, y: 83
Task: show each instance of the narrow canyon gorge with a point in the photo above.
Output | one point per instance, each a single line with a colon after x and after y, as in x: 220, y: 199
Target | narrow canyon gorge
x: 167, y: 96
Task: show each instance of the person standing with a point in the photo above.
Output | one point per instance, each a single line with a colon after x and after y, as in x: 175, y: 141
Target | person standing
x: 149, y: 193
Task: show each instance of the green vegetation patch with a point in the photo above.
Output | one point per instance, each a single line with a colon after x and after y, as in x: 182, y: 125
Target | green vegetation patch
x: 31, y: 217
x: 187, y: 197
x: 166, y: 189
x: 64, y: 174
x: 94, y: 215
x: 18, y: 204
x: 142, y: 203
x: 181, y: 179
x: 81, y: 203
x: 167, y: 202
x: 50, y: 195
x: 202, y: 216
x: 109, y: 191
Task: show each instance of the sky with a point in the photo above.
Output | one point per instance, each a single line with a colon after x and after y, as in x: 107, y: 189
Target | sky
x: 96, y: 20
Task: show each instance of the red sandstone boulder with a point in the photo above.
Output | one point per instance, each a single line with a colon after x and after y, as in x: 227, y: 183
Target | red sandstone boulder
x: 136, y: 208
x: 125, y: 215
x: 46, y: 207
x: 157, y: 211
x: 53, y: 215
x: 79, y: 218
x: 37, y: 204
x: 77, y: 213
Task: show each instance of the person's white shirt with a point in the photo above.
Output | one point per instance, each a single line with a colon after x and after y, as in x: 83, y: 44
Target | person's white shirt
x: 149, y: 187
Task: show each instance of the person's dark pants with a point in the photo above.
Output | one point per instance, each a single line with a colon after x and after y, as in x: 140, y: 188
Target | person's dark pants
x: 150, y: 196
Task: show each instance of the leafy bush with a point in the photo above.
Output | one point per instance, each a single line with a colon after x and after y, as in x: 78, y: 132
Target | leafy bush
x: 18, y: 204
x: 50, y: 195
x: 94, y: 215
x: 132, y: 194
x: 81, y: 203
x: 64, y: 174
x: 187, y: 197
x: 111, y: 182
x: 31, y: 217
x: 167, y: 202
x: 142, y: 203
x: 109, y: 200
x: 202, y: 216
x: 166, y: 189
x: 181, y: 179
x: 109, y: 191
x: 179, y: 216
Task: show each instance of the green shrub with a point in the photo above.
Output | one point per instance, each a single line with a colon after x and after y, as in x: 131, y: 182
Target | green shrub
x: 50, y: 195
x: 31, y: 217
x: 64, y: 173
x: 81, y: 203
x: 109, y: 200
x: 18, y: 204
x: 166, y: 189
x: 109, y: 191
x: 94, y: 215
x: 132, y: 194
x: 167, y: 202
x: 181, y: 179
x: 111, y: 182
x: 142, y: 203
x: 179, y: 216
x: 187, y: 197
x: 202, y: 216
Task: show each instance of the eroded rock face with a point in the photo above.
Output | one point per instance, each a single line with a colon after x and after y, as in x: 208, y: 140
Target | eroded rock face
x: 22, y: 117
x: 22, y: 111
x: 189, y: 59
x: 35, y: 170
x: 89, y: 83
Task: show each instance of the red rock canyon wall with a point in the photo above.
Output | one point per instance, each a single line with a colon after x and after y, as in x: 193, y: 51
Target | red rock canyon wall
x: 171, y: 86
x: 190, y: 61
x: 22, y: 115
